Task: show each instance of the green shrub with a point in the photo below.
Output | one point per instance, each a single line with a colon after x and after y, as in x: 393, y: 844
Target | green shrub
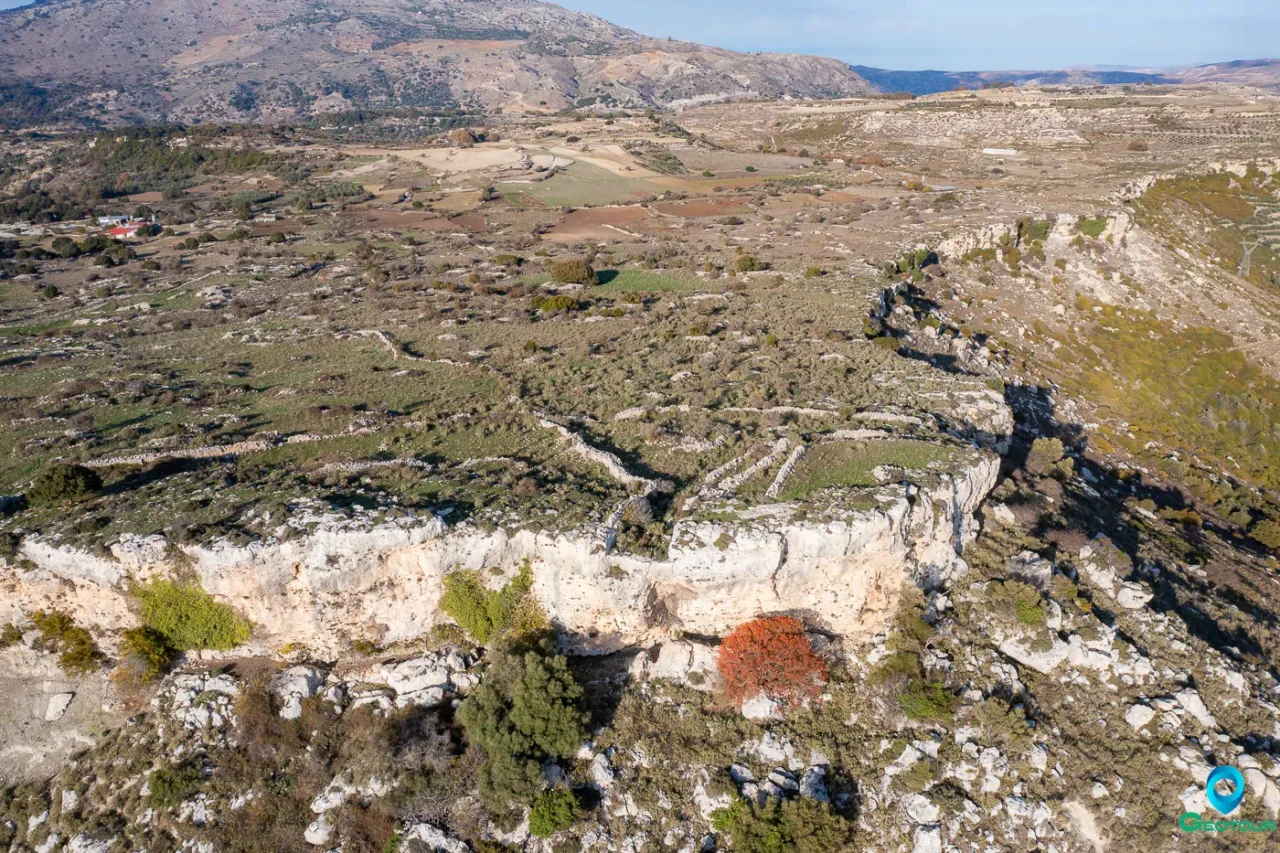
x: 1028, y: 612
x: 1092, y: 227
x: 10, y: 635
x: 1045, y: 453
x: 573, y: 271
x: 1267, y: 534
x: 77, y: 653
x: 482, y: 612
x: 173, y: 785
x: 552, y: 812
x: 787, y: 826
x: 886, y: 342
x: 525, y: 712
x: 895, y: 668
x: 147, y: 654
x: 927, y: 701
x: 189, y: 618
x: 65, y: 247
x: 62, y: 483
x: 553, y: 304
x: 748, y: 263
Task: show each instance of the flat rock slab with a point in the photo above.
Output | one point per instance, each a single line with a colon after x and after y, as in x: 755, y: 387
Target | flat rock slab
x: 58, y: 704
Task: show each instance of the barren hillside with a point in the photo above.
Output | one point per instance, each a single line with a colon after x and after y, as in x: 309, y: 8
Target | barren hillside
x: 124, y: 60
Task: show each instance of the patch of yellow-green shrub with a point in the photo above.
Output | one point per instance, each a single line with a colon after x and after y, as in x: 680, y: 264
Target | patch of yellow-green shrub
x: 189, y: 618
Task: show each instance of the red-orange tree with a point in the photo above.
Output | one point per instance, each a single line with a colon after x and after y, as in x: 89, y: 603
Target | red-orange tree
x: 771, y: 655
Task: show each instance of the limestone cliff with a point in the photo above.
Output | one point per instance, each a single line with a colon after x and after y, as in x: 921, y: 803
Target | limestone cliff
x: 844, y: 571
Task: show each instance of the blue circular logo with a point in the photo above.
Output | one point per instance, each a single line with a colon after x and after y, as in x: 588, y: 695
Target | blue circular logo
x: 1225, y: 803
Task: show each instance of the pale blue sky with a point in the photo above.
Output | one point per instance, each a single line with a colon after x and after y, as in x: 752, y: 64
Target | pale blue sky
x: 963, y: 36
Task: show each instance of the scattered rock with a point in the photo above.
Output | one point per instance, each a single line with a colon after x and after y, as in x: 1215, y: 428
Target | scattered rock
x: 928, y: 839
x: 761, y: 708
x: 293, y: 685
x: 1133, y: 596
x: 434, y: 839
x: 601, y: 772
x: 319, y: 831
x: 58, y: 704
x: 1139, y: 715
x: 1031, y: 568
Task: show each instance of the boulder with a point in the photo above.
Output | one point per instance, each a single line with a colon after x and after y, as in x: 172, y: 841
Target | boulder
x: 1191, y: 702
x: 813, y: 785
x: 686, y: 663
x: 601, y: 772
x: 928, y: 839
x: 293, y: 685
x: 1042, y: 661
x: 434, y: 839
x: 1139, y: 715
x: 1133, y: 596
x: 58, y: 704
x: 335, y: 794
x: 921, y: 809
x: 319, y: 831
x: 761, y: 708
x: 1031, y: 568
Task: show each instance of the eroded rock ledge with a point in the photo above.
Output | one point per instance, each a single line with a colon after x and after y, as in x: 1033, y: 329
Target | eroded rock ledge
x: 843, y: 569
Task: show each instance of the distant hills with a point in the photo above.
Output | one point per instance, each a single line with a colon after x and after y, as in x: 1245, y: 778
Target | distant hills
x: 112, y: 62
x: 1254, y: 72
x: 120, y: 61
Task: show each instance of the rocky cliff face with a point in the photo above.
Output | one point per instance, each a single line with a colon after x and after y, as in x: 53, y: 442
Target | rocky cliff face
x: 338, y: 585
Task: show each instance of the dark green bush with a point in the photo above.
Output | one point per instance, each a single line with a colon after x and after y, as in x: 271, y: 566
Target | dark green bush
x: 1267, y: 533
x: 525, y: 712
x: 65, y: 247
x: 62, y: 483
x: 173, y: 785
x: 787, y: 826
x: 927, y: 701
x: 552, y: 812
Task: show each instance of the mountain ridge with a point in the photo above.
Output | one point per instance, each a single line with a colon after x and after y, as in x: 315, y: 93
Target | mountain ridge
x: 253, y: 60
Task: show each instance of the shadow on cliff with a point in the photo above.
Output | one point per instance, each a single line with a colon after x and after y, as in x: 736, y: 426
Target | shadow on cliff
x: 1101, y: 503
x: 604, y: 679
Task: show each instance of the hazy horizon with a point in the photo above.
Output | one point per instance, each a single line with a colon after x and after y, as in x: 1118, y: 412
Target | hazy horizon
x: 987, y: 35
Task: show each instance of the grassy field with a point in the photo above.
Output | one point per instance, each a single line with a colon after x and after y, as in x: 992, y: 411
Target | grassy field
x: 853, y: 463
x: 583, y: 185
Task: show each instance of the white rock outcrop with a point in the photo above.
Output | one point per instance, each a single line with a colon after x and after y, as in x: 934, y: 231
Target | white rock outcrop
x: 338, y: 584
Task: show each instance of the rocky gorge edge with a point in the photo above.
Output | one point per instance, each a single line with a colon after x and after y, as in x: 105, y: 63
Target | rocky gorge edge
x: 340, y: 584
